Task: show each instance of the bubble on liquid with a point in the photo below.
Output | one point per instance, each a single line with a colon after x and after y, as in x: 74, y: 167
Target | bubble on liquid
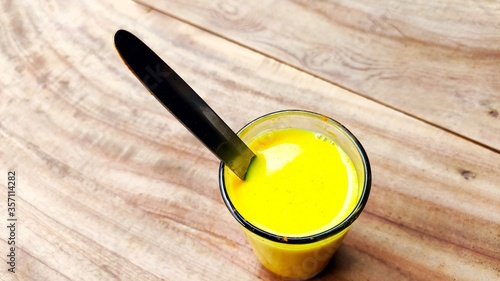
x: 322, y: 137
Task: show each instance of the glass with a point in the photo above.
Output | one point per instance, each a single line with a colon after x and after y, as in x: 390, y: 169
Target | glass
x: 301, y: 258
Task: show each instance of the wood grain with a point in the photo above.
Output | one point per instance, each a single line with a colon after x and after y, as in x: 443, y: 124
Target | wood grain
x: 112, y: 187
x: 438, y: 62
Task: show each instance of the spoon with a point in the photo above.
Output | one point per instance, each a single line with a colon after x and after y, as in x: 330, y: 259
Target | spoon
x: 183, y: 102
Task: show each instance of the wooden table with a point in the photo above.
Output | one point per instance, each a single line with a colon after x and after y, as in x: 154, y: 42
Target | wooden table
x: 109, y: 186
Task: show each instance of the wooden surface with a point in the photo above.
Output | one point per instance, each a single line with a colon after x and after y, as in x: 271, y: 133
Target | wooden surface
x: 109, y: 186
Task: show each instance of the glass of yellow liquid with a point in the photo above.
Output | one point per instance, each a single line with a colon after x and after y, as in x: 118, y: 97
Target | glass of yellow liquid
x: 308, y: 183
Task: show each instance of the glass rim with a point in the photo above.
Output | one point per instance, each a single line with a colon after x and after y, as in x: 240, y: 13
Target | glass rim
x: 321, y: 235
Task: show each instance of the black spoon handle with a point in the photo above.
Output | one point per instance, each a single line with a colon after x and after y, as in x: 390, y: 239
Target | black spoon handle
x: 183, y: 102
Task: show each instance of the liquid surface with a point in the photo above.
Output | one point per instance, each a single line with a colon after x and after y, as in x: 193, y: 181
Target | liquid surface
x: 300, y: 183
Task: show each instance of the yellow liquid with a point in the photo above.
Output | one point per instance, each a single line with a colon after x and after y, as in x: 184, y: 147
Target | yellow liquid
x: 300, y: 183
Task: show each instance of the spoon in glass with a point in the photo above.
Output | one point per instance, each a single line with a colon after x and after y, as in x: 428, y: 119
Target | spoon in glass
x: 183, y: 102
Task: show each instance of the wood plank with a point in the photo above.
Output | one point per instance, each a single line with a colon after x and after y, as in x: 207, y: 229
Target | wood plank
x: 112, y: 187
x: 436, y: 61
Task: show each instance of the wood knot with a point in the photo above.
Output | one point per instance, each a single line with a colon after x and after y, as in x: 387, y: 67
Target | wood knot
x: 467, y: 174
